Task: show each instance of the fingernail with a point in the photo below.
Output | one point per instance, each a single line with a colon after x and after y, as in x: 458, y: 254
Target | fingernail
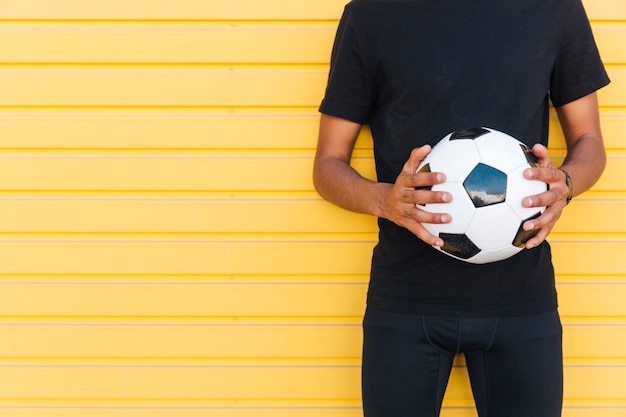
x: 530, y: 226
x: 445, y: 198
x: 445, y: 218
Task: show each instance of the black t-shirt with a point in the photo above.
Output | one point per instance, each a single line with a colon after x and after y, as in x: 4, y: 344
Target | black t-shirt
x: 416, y: 70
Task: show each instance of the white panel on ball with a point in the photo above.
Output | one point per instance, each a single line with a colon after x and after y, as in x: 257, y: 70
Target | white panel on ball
x: 493, y: 227
x: 456, y: 159
x: 460, y: 208
x: 519, y: 188
x: 500, y: 151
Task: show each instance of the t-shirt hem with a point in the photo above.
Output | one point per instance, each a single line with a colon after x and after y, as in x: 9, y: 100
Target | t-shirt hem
x: 342, y: 113
x: 583, y: 90
x: 479, y: 310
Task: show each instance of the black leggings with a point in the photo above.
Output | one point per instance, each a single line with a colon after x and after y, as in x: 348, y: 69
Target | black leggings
x: 515, y: 364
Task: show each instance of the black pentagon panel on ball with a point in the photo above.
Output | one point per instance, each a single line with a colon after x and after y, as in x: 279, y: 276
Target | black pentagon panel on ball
x: 425, y: 168
x: 458, y: 245
x: 522, y: 236
x: 485, y: 185
x: 472, y: 133
x: 530, y: 156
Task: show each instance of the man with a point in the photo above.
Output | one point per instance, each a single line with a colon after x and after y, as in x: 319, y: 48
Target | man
x: 416, y: 70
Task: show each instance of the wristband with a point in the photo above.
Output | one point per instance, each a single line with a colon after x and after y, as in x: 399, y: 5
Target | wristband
x: 568, y: 182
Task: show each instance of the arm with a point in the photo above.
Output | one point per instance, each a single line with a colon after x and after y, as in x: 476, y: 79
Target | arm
x: 584, y: 162
x: 339, y: 183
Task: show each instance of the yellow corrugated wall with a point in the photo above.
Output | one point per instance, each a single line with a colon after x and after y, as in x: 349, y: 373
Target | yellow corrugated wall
x: 162, y: 250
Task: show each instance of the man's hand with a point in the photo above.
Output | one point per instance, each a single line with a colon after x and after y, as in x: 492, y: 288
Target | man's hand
x: 410, y: 189
x: 555, y: 198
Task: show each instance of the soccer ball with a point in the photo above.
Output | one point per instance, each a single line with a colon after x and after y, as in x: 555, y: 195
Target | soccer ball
x: 484, y: 174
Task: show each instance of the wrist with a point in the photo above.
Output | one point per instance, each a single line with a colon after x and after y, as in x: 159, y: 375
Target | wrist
x: 381, y: 199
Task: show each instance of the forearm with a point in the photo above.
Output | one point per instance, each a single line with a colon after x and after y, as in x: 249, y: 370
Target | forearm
x: 336, y: 181
x: 339, y: 183
x: 586, y: 156
x: 584, y: 163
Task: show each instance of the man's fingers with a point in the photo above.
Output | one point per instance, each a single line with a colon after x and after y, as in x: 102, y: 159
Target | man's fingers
x: 422, y: 216
x: 420, y: 231
x: 416, y: 158
x: 424, y: 196
x: 541, y: 152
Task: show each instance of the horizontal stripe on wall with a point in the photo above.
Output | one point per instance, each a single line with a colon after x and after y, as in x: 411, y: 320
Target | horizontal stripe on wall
x: 195, y: 410
x: 205, y: 43
x: 189, y: 86
x: 247, y: 256
x: 195, y: 129
x: 246, y: 381
x: 595, y: 213
x: 271, y: 339
x: 123, y: 256
x: 155, y: 43
x: 180, y: 10
x: 231, y: 10
x: 177, y: 298
x: 199, y: 172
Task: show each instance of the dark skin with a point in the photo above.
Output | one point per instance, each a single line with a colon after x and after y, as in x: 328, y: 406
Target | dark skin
x: 340, y: 184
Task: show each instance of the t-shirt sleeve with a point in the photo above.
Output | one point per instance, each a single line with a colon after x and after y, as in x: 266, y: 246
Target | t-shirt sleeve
x: 350, y: 89
x: 578, y: 70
